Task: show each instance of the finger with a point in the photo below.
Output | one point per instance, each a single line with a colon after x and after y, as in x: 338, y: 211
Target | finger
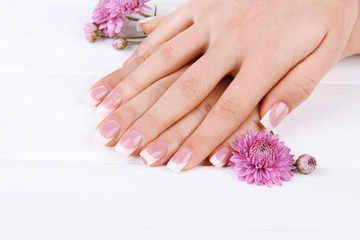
x: 102, y: 88
x: 221, y: 156
x: 112, y: 127
x: 174, y: 24
x: 237, y: 102
x: 184, y: 95
x: 170, y: 57
x: 299, y: 83
x: 147, y: 25
x: 162, y: 148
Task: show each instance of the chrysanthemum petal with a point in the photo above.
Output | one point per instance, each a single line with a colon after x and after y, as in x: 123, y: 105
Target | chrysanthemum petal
x: 261, y: 158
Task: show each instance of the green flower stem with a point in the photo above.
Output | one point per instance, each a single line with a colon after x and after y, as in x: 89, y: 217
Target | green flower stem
x: 144, y: 15
x: 132, y: 18
x: 129, y: 37
x: 134, y: 42
x: 100, y: 33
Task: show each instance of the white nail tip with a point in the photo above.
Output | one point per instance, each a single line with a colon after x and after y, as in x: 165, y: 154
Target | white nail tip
x: 265, y: 121
x: 144, y: 20
x: 148, y: 158
x: 89, y: 100
x: 175, y: 167
x: 215, y: 161
x: 101, y: 139
x: 102, y: 111
x: 126, y: 152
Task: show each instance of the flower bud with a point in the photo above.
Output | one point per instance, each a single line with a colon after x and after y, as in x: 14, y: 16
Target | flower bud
x: 91, y: 32
x: 306, y: 164
x: 119, y: 43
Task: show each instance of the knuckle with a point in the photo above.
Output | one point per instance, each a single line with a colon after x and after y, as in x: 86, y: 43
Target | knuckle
x: 132, y: 84
x: 162, y: 85
x: 143, y: 47
x: 228, y: 12
x: 227, y: 110
x: 127, y: 110
x: 169, y: 52
x: 151, y: 120
x: 204, y: 108
x: 189, y: 86
x: 229, y: 8
x: 238, y: 32
x: 306, y: 85
x: 141, y: 58
x: 177, y: 133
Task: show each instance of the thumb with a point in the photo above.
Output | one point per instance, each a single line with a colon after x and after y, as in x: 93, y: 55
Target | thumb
x: 299, y: 83
x: 147, y: 25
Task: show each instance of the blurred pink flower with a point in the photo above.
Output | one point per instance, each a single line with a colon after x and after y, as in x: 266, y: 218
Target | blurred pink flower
x: 119, y: 43
x: 110, y: 25
x: 110, y: 14
x: 114, y: 25
x: 126, y: 6
x: 100, y: 13
x: 90, y: 32
x: 306, y: 164
x: 262, y: 159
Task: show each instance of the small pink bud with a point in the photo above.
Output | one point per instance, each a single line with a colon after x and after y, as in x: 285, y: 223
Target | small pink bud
x: 91, y: 32
x: 119, y: 43
x: 306, y: 164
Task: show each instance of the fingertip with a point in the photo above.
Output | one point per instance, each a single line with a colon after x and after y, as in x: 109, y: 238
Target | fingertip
x: 220, y: 157
x: 147, y: 25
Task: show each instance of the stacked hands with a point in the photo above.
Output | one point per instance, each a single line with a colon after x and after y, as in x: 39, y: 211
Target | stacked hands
x: 213, y: 69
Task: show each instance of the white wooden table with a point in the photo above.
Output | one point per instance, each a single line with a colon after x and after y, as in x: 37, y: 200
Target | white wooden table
x: 56, y: 183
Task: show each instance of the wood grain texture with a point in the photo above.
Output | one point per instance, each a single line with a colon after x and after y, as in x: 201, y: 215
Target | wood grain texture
x: 56, y: 183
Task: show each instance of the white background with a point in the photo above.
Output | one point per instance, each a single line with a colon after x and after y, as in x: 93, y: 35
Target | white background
x: 56, y: 183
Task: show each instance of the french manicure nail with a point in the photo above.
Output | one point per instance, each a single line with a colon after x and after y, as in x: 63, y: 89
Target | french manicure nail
x: 179, y: 160
x: 275, y: 115
x: 107, y: 132
x: 220, y: 157
x: 128, y: 143
x: 154, y: 152
x: 129, y: 59
x: 144, y: 20
x: 96, y: 95
x: 109, y: 104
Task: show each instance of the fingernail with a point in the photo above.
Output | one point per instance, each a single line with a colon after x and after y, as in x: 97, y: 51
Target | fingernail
x: 96, y: 95
x: 275, y: 115
x: 107, y: 132
x: 129, y: 59
x: 129, y: 143
x: 144, y: 20
x: 154, y: 152
x: 220, y: 157
x: 179, y: 160
x: 109, y: 104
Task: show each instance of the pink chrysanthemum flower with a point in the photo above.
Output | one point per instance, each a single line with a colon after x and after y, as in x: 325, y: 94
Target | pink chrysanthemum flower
x: 126, y: 6
x: 262, y: 159
x: 109, y: 22
x: 100, y: 13
x: 114, y: 25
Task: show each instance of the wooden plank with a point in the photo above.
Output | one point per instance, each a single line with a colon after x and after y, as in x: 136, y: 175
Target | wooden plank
x: 112, y: 202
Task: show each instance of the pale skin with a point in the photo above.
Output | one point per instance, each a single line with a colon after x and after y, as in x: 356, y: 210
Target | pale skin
x: 222, y: 65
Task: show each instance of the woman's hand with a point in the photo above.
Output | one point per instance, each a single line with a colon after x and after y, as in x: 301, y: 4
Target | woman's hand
x: 274, y: 49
